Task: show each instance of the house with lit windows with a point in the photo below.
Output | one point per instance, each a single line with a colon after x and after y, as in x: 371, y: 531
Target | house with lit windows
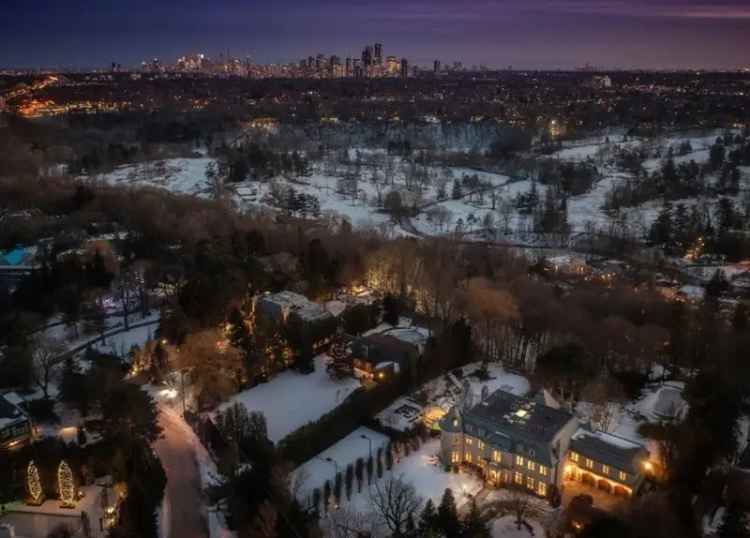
x: 607, y: 462
x: 15, y: 425
x: 512, y: 440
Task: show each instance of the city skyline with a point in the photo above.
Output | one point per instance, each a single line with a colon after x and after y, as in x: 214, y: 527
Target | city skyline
x: 536, y: 34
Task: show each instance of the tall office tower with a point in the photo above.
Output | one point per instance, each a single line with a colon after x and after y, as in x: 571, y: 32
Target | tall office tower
x: 310, y: 62
x: 392, y: 65
x: 367, y: 56
x: 378, y: 54
x: 357, y: 68
x: 348, y: 71
x: 436, y: 66
x: 319, y: 59
x: 333, y: 64
x: 404, y: 68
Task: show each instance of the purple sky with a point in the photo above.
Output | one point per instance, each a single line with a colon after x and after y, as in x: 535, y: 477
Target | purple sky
x: 523, y: 33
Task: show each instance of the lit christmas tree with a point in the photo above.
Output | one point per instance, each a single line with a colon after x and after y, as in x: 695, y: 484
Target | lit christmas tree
x: 34, y: 485
x: 66, y: 485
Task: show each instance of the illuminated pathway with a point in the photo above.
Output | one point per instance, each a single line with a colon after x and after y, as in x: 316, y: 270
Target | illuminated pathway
x: 183, y: 506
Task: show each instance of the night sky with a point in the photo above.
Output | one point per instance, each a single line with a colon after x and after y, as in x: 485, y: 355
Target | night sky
x: 523, y: 33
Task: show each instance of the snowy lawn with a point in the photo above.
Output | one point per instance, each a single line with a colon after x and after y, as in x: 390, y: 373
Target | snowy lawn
x: 505, y: 527
x: 423, y: 470
x: 313, y: 473
x: 291, y: 400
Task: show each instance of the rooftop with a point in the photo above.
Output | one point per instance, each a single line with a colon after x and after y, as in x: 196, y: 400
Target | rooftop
x: 9, y: 413
x: 610, y: 449
x: 509, y: 415
x: 299, y: 304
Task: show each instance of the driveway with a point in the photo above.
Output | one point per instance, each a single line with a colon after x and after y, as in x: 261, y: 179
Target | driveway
x: 184, y: 505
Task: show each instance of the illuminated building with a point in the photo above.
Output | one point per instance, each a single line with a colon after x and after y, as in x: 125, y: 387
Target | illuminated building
x: 515, y: 440
x: 15, y: 425
x: 378, y: 54
x: 404, y: 68
x: 392, y: 65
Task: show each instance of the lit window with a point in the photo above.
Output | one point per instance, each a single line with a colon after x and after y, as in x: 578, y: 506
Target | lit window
x: 519, y: 478
x: 467, y: 456
x: 531, y: 465
x: 519, y: 461
x: 480, y: 445
x: 496, y: 455
x: 589, y: 463
x: 493, y: 475
x: 542, y: 470
x: 574, y: 456
x: 542, y: 488
x: 468, y: 441
x: 623, y: 476
x: 455, y: 423
x: 530, y: 482
x: 605, y: 470
x: 456, y: 457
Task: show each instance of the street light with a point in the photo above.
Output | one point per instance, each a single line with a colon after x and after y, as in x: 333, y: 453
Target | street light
x: 363, y: 436
x: 335, y: 464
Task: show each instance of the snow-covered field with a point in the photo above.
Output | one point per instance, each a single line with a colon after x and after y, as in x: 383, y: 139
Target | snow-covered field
x: 182, y: 176
x: 505, y: 527
x: 362, y: 204
x: 313, y: 473
x: 291, y: 400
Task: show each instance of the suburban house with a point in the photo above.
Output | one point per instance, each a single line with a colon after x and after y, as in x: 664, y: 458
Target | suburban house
x: 15, y: 425
x: 524, y: 442
x: 397, y: 349
x: 378, y: 356
x: 316, y: 325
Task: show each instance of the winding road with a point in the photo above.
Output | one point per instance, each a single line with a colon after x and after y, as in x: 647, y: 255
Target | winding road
x: 184, y: 506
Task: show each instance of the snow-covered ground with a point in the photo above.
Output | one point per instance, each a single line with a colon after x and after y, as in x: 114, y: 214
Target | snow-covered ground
x: 505, y: 527
x: 423, y: 470
x: 444, y: 392
x: 313, y: 473
x: 291, y: 400
x: 469, y: 215
x: 656, y: 403
x: 182, y: 176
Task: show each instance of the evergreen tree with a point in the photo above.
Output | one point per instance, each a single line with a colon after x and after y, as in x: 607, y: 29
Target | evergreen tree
x: 359, y: 466
x: 474, y: 524
x: 447, y: 515
x: 456, y: 192
x: 428, y: 518
x: 661, y: 230
x: 349, y: 481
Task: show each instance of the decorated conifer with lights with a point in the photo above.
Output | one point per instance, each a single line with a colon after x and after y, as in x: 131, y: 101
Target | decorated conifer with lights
x: 66, y: 485
x: 34, y: 485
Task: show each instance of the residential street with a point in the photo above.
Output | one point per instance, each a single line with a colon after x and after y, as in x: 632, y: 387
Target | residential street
x: 183, y: 497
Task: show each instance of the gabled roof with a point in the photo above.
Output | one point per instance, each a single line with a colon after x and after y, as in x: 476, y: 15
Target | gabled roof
x: 10, y: 414
x: 612, y: 450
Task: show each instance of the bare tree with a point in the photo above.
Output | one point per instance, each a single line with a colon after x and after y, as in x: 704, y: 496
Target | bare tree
x: 606, y: 397
x: 346, y: 523
x: 520, y: 505
x: 44, y: 357
x: 395, y: 500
